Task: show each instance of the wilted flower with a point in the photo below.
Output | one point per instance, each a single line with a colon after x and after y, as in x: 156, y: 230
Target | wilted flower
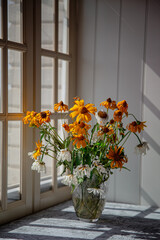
x: 96, y: 164
x: 38, y: 166
x: 63, y: 155
x: 101, y: 117
x: 96, y: 191
x: 82, y: 171
x: 141, y: 148
x: 69, y: 180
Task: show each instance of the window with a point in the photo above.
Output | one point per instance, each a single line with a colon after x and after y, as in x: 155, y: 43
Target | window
x: 36, y: 71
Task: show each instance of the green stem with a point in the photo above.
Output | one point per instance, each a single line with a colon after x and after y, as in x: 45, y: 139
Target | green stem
x: 123, y: 137
x: 130, y: 114
x: 138, y: 138
x: 126, y: 138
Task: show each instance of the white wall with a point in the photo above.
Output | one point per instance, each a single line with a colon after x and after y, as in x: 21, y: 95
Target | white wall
x: 118, y: 57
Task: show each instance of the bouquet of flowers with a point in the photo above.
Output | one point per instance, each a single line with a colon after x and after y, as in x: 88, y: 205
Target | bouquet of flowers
x: 87, y: 152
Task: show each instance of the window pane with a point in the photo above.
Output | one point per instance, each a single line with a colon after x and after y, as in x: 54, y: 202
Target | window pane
x: 14, y: 81
x: 1, y: 80
x: 48, y: 24
x: 46, y: 178
x: 63, y: 26
x: 14, y: 158
x: 0, y: 18
x: 15, y: 24
x: 63, y: 73
x: 0, y: 162
x: 47, y: 84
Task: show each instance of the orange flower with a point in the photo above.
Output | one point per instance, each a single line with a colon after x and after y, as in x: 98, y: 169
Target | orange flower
x: 43, y: 117
x: 140, y: 126
x: 117, y: 116
x: 79, y: 128
x: 109, y: 104
x: 123, y: 107
x: 82, y: 111
x: 132, y: 127
x: 117, y: 156
x: 66, y: 127
x: 136, y: 126
x: 59, y: 107
x: 80, y: 141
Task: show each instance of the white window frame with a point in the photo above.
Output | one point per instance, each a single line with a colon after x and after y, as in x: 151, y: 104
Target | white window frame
x: 32, y: 200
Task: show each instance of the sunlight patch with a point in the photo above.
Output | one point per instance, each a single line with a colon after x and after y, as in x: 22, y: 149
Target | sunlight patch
x: 57, y: 232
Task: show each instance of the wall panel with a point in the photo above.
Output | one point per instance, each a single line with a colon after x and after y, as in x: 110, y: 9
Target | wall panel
x: 129, y: 88
x: 150, y: 190
x: 118, y: 57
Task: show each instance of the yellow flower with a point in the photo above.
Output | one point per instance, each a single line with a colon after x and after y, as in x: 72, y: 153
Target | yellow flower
x: 31, y: 118
x: 117, y: 156
x: 80, y: 141
x: 109, y: 104
x: 79, y: 128
x: 37, y: 151
x: 43, y: 117
x: 59, y: 107
x: 82, y: 111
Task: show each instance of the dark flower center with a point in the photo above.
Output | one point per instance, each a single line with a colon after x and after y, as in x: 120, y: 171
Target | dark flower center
x: 125, y: 104
x: 134, y: 123
x: 43, y: 114
x: 84, y: 110
x: 102, y: 114
x: 81, y: 124
x: 109, y: 100
x: 111, y: 121
x: 61, y: 103
x: 105, y: 129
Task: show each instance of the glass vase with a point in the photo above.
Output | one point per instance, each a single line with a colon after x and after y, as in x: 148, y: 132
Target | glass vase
x: 89, y: 201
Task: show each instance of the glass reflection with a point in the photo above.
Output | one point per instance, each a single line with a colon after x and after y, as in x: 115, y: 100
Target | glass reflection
x: 15, y: 20
x: 15, y: 81
x: 48, y: 24
x: 63, y: 26
x: 1, y: 80
x: 47, y: 84
x: 1, y: 132
x: 0, y: 18
x: 63, y: 81
x: 14, y: 160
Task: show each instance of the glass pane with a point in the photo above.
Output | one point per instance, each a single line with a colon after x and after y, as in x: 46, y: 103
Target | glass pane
x: 47, y: 84
x: 1, y: 80
x: 15, y: 81
x: 63, y: 26
x: 48, y: 24
x: 15, y: 23
x: 63, y: 73
x: 46, y: 178
x: 14, y: 158
x: 0, y: 18
x: 63, y: 134
x: 0, y: 162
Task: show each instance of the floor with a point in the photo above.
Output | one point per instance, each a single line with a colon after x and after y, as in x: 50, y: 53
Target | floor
x: 118, y: 222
